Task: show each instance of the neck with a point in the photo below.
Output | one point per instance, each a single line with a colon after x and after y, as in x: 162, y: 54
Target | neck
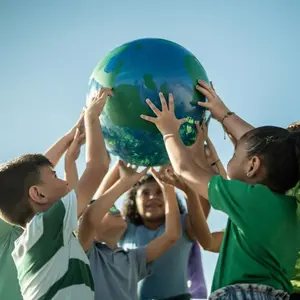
x: 154, y: 224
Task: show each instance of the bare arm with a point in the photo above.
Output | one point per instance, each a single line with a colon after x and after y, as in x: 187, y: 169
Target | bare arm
x: 56, y: 151
x: 232, y: 123
x: 192, y: 174
x: 236, y: 126
x: 71, y: 173
x: 95, y: 151
x: 93, y: 216
x: 172, y: 233
x: 109, y: 180
x: 190, y: 231
x: 209, y: 241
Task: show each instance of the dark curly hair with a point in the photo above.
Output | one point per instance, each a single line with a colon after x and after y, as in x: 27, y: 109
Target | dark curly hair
x: 129, y: 209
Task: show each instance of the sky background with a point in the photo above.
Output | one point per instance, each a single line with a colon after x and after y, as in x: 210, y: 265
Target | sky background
x: 48, y: 49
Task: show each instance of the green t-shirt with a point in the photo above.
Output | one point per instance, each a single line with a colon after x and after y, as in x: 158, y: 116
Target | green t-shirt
x: 50, y: 261
x: 9, y: 284
x: 261, y: 240
x: 296, y: 278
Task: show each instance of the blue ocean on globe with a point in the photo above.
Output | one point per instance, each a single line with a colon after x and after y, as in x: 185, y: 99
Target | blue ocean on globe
x: 139, y: 70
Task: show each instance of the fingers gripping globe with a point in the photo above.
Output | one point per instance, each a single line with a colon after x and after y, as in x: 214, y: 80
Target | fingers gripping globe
x: 139, y: 70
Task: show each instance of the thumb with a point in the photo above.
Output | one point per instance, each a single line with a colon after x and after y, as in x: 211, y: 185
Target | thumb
x: 205, y: 104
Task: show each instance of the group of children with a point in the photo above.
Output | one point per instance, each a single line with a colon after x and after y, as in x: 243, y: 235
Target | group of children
x: 66, y: 239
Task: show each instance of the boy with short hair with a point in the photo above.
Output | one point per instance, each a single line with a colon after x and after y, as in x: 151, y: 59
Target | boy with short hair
x: 49, y: 260
x: 9, y: 284
x: 117, y: 271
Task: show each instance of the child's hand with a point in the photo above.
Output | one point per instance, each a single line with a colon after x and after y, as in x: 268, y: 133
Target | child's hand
x: 79, y: 125
x: 214, y: 103
x: 74, y: 149
x: 165, y: 121
x: 198, y: 146
x: 165, y: 181
x: 167, y: 175
x: 97, y: 103
x: 129, y: 175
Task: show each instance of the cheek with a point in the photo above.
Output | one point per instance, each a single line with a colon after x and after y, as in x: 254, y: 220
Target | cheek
x: 140, y: 205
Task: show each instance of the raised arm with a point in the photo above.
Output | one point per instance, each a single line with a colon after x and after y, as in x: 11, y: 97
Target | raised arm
x: 172, y: 233
x: 71, y: 173
x: 96, y: 166
x: 195, y: 175
x: 232, y: 123
x: 108, y: 181
x: 56, y: 151
x: 93, y: 216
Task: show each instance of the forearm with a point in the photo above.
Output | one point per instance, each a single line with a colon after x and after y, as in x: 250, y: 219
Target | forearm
x: 56, y: 151
x: 173, y: 224
x: 71, y: 174
x: 109, y: 180
x: 102, y: 205
x: 198, y: 221
x: 95, y: 146
x: 196, y: 177
x: 95, y: 167
x: 236, y: 126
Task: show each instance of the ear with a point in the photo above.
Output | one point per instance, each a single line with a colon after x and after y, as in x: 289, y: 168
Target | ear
x: 253, y: 166
x: 36, y: 195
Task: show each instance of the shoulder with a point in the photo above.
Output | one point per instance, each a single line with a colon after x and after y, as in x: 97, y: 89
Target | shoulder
x: 6, y: 230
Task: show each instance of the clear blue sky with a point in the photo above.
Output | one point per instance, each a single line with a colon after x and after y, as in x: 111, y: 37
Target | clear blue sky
x: 48, y: 50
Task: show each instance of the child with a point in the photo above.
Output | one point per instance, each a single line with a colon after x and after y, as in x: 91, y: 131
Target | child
x: 116, y: 272
x: 9, y: 284
x: 253, y: 261
x: 295, y: 127
x: 49, y: 260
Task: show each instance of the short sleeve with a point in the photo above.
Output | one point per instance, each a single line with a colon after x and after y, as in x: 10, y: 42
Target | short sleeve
x: 61, y: 218
x: 128, y: 240
x: 5, y: 228
x: 140, y: 262
x: 239, y: 200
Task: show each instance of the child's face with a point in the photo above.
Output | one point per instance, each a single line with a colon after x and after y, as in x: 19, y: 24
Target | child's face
x: 238, y: 166
x: 150, y: 202
x: 50, y: 189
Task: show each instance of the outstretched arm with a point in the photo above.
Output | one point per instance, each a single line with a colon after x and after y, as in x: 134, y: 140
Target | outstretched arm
x: 96, y: 166
x: 56, y: 151
x: 93, y: 216
x: 233, y: 124
x: 172, y: 233
x: 108, y: 181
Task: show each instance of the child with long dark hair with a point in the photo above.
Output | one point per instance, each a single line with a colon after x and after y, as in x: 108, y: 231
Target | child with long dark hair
x: 261, y: 240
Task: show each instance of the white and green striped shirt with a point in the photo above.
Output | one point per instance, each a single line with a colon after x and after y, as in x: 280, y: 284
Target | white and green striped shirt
x: 50, y: 261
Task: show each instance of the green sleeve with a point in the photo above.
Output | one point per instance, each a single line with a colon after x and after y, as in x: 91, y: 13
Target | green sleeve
x: 244, y: 204
x: 5, y: 228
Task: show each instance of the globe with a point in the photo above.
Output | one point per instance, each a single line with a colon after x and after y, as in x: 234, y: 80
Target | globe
x: 139, y: 70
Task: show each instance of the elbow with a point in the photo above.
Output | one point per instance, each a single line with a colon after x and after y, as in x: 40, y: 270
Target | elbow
x: 206, y: 244
x: 174, y: 236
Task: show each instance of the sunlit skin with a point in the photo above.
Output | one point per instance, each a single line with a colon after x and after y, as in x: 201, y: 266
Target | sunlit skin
x: 111, y: 229
x: 150, y: 202
x: 50, y: 189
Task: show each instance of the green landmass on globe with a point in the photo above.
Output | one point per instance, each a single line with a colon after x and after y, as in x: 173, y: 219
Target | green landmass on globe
x: 139, y: 70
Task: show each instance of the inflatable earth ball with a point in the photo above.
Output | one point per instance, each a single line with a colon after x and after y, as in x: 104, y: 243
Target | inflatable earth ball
x: 139, y: 70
